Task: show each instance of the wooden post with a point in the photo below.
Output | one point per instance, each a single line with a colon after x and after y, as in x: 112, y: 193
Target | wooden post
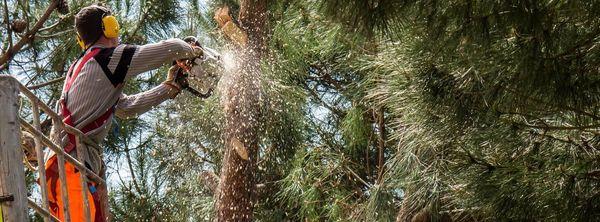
x: 84, y: 184
x: 40, y: 159
x: 62, y: 175
x: 12, y: 175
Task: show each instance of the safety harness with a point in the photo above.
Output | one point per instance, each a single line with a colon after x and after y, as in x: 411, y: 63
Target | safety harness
x: 66, y: 114
x: 72, y: 75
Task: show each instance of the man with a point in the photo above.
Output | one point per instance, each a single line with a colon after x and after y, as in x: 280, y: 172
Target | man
x: 92, y: 95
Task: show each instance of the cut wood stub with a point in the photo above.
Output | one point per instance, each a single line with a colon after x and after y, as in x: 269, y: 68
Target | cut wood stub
x: 239, y: 148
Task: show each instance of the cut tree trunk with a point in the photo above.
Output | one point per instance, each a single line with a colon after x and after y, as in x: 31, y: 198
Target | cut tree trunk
x: 236, y: 192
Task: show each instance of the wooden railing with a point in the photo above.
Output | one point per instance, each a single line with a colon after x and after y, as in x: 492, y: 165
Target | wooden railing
x: 13, y: 193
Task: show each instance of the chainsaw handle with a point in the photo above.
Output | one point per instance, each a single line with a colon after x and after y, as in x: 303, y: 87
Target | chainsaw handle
x: 183, y: 64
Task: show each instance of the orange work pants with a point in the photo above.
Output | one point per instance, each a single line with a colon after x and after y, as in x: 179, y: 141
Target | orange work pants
x: 74, y: 191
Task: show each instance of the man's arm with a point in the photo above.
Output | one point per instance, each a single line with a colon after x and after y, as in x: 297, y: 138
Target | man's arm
x: 126, y: 61
x: 134, y: 105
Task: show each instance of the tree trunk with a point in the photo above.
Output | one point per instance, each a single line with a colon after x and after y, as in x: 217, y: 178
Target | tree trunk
x: 236, y: 191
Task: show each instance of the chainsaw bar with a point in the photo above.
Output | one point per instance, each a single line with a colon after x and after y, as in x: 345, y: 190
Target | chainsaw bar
x: 198, y: 93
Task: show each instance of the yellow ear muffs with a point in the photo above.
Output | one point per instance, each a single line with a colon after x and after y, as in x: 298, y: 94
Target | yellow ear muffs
x: 110, y: 26
x: 80, y: 42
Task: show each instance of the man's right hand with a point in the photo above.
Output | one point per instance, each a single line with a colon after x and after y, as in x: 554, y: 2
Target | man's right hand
x: 198, y: 51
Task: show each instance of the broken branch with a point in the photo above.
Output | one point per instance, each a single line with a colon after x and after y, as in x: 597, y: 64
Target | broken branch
x: 57, y: 80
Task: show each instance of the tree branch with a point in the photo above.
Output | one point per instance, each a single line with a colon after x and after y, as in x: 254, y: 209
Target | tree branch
x: 28, y: 37
x: 357, y: 177
x: 334, y: 110
x: 57, y: 80
x: 210, y: 180
x: 8, y: 29
x: 573, y: 109
x: 138, y: 25
x: 548, y: 127
x: 381, y: 143
x: 130, y: 165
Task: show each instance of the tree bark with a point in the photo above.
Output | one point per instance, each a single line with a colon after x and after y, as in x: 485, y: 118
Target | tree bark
x: 236, y: 192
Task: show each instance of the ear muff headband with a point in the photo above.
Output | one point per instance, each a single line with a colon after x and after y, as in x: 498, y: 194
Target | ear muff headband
x: 110, y: 26
x: 80, y: 41
x: 110, y: 29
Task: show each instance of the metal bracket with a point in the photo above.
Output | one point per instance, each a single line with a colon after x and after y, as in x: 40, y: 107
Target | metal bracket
x: 6, y: 198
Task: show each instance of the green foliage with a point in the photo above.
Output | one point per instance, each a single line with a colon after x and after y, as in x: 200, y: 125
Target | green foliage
x: 356, y: 130
x: 313, y: 189
x: 491, y: 111
x: 365, y: 17
x: 489, y: 98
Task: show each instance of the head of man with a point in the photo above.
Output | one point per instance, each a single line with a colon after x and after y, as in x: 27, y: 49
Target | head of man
x: 95, y: 25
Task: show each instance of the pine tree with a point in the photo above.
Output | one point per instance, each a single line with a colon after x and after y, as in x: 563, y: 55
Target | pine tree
x: 377, y: 110
x: 495, y: 106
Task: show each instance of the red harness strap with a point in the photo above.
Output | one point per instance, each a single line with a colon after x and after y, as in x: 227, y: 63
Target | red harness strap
x: 68, y: 120
x: 66, y: 113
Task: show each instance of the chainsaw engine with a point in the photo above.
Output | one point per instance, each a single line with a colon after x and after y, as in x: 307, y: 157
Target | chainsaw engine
x: 202, y: 73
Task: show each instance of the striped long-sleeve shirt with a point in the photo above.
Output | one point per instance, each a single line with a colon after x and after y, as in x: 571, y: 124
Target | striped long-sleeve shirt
x: 99, y: 86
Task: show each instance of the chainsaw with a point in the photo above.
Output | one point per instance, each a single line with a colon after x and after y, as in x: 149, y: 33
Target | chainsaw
x: 199, y: 75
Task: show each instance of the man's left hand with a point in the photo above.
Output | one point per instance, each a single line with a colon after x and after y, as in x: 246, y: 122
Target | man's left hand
x: 172, y: 77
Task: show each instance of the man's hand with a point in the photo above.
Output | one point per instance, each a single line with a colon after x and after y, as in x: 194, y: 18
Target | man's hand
x: 172, y: 79
x: 198, y: 51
